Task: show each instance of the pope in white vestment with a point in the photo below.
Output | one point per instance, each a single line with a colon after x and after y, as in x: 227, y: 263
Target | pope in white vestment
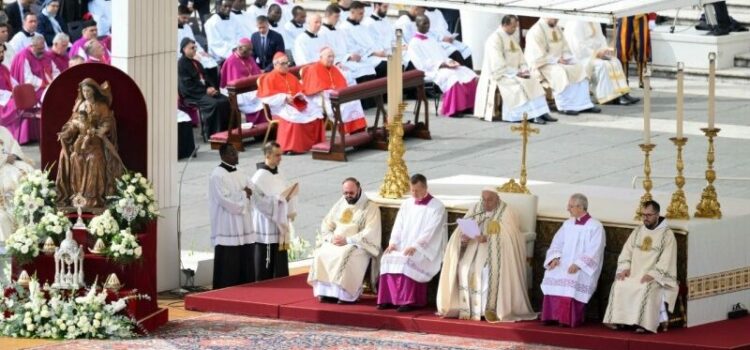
x: 549, y: 57
x: 505, y: 69
x: 415, y: 250
x: 13, y: 166
x: 485, y: 276
x: 604, y: 70
x: 646, y: 276
x: 573, y: 264
x: 351, y: 240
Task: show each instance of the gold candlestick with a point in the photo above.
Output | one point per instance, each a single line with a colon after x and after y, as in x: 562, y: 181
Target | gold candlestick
x: 709, y: 206
x: 678, y: 208
x: 525, y: 130
x: 647, y: 183
x: 396, y: 180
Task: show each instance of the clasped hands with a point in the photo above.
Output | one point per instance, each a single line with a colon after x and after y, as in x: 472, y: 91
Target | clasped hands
x: 480, y: 239
x: 407, y: 252
x: 621, y: 276
x: 573, y: 268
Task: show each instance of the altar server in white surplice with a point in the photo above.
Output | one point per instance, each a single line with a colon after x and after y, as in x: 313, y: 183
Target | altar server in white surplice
x: 589, y: 46
x: 352, y: 64
x: 185, y: 31
x: 230, y: 211
x: 351, y: 240
x: 646, y: 276
x: 13, y: 166
x: 458, y: 83
x: 439, y: 31
x: 573, y: 264
x: 415, y: 250
x: 307, y: 46
x: 384, y: 30
x: 360, y: 40
x: 222, y: 32
x: 407, y: 22
x: 275, y: 209
x: 296, y: 26
x: 505, y: 69
x: 244, y: 20
x: 549, y: 57
x: 485, y: 276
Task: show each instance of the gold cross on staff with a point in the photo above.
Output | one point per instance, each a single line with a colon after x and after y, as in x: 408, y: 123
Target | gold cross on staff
x: 525, y: 130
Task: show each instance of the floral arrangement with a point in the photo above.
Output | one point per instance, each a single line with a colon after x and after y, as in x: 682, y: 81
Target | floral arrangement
x: 42, y: 312
x: 104, y: 226
x: 53, y: 224
x: 124, y: 247
x: 134, y: 204
x: 299, y: 248
x: 23, y: 244
x: 34, y: 196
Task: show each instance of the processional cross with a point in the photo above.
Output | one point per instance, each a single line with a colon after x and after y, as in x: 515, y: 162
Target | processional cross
x: 525, y: 130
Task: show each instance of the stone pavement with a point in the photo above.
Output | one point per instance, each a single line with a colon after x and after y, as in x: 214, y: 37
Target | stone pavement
x: 588, y: 149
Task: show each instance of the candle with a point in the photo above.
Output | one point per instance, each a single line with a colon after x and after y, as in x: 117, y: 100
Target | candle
x: 646, y: 109
x: 711, y: 89
x: 680, y: 99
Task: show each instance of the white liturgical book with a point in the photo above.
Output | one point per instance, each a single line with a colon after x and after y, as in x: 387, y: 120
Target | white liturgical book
x: 469, y: 227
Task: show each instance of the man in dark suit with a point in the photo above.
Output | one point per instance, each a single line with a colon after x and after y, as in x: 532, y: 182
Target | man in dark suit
x: 50, y: 21
x: 15, y: 11
x: 266, y: 43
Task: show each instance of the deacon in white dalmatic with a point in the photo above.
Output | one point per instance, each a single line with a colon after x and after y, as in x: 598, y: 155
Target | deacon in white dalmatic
x: 351, y: 240
x: 573, y: 264
x: 485, y: 276
x: 646, y: 276
x: 415, y: 250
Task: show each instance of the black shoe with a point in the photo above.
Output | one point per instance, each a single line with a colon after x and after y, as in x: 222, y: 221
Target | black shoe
x: 569, y: 112
x: 341, y: 302
x: 384, y: 306
x: 631, y: 98
x: 327, y: 300
x: 594, y: 109
x: 548, y: 117
x: 405, y: 308
x: 538, y: 120
x: 622, y: 101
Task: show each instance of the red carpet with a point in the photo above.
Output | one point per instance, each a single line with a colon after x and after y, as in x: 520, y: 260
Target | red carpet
x: 291, y: 298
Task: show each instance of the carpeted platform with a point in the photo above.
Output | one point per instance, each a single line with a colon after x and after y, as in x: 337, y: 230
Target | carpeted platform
x: 291, y: 298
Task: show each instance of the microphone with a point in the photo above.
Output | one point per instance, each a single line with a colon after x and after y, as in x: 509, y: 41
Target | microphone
x: 467, y: 217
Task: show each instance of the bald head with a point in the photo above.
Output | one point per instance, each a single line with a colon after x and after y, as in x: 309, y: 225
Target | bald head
x: 313, y: 23
x: 327, y: 56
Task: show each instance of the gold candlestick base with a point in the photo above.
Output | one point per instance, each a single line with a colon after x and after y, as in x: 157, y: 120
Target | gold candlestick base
x: 647, y: 183
x: 525, y: 130
x: 709, y: 206
x: 678, y: 208
x: 396, y: 181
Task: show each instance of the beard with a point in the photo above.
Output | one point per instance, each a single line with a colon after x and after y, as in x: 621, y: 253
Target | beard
x: 354, y: 199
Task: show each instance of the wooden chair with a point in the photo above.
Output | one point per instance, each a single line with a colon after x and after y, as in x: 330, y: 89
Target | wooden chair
x: 235, y: 134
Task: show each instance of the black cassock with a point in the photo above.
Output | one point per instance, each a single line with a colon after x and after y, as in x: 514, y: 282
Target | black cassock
x: 192, y: 85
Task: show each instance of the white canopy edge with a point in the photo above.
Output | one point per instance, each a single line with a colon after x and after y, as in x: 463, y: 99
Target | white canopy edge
x: 602, y: 11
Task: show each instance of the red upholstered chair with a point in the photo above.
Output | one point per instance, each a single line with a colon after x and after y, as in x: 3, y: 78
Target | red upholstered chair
x: 24, y: 97
x: 192, y: 111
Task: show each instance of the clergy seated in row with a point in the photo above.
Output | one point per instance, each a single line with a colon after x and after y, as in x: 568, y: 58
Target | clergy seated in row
x: 415, y: 250
x: 307, y: 46
x: 266, y: 43
x: 58, y: 52
x: 96, y: 52
x: 13, y: 166
x: 573, y: 265
x: 356, y: 68
x: 195, y: 89
x: 296, y: 26
x: 351, y: 240
x: 646, y: 275
x: 439, y: 31
x: 458, y: 83
x: 504, y: 69
x: 362, y: 43
x: 241, y: 64
x: 88, y: 32
x: 222, y: 32
x: 275, y: 23
x: 604, y: 70
x: 22, y: 38
x: 408, y: 25
x: 550, y: 59
x: 230, y: 212
x: 244, y: 20
x: 301, y: 123
x: 32, y: 66
x: 320, y: 79
x: 274, y: 210
x: 210, y: 67
x: 484, y: 276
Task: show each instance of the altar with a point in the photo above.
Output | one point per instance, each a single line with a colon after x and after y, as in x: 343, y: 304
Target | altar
x: 713, y: 265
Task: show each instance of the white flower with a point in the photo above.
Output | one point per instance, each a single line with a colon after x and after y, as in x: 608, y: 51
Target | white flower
x: 138, y: 251
x: 130, y: 189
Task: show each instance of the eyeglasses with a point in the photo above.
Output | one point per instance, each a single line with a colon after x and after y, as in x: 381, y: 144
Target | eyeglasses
x: 649, y: 214
x: 283, y: 63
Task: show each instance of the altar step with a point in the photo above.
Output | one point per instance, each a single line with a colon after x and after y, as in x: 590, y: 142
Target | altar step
x: 738, y: 9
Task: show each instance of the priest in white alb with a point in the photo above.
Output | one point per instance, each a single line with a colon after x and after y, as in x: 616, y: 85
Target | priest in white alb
x: 549, y: 57
x: 362, y: 42
x: 646, y: 283
x: 274, y: 204
x: 573, y: 265
x: 351, y: 241
x: 458, y: 83
x: 485, y: 275
x: 415, y: 250
x: 504, y: 69
x: 604, y: 70
x: 13, y: 166
x: 307, y: 46
x: 230, y: 212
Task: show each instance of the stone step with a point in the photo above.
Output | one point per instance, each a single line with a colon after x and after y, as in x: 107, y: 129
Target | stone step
x: 737, y: 75
x: 742, y: 60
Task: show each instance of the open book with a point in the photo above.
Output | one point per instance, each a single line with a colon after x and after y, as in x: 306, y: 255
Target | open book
x: 299, y: 102
x: 291, y: 191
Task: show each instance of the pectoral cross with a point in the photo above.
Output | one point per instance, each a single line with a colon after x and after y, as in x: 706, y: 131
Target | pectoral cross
x: 525, y: 130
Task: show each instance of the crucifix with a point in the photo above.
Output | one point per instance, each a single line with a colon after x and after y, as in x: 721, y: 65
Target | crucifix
x: 525, y: 130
